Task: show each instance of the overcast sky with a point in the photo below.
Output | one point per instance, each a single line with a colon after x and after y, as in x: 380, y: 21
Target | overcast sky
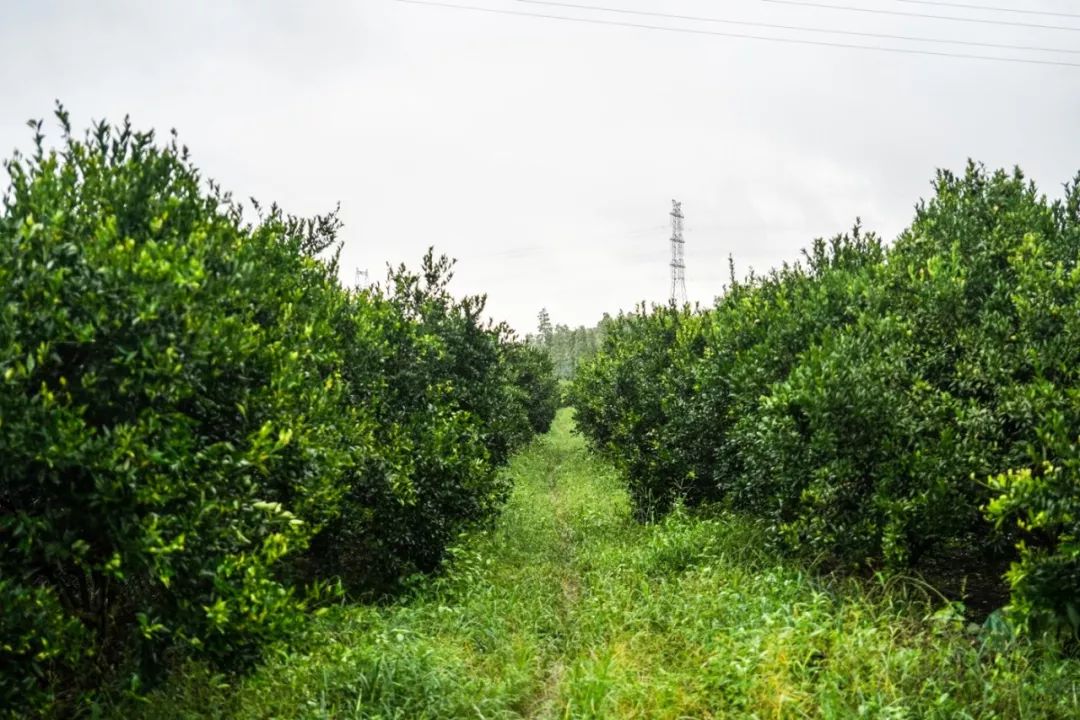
x: 544, y: 154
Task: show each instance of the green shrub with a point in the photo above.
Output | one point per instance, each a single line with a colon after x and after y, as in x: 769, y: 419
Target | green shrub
x: 1040, y: 499
x: 532, y: 376
x: 450, y: 397
x: 200, y: 429
x: 172, y: 414
x: 39, y: 641
x: 431, y: 475
x: 619, y: 396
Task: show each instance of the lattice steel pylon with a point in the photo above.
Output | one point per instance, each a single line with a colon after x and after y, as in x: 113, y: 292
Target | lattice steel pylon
x: 678, y: 259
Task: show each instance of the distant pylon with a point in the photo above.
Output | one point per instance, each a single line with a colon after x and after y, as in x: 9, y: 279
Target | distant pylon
x: 361, y: 279
x: 678, y: 259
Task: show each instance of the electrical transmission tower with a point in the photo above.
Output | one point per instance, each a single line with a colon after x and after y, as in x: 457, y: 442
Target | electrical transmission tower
x: 678, y: 261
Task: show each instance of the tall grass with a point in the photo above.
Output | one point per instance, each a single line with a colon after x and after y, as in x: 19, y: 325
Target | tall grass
x: 568, y: 608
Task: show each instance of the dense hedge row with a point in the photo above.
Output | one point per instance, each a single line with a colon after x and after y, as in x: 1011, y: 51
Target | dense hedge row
x: 878, y: 407
x: 202, y: 434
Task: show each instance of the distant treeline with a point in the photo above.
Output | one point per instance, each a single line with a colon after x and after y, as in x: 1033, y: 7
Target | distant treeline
x: 566, y: 346
x: 877, y: 407
x: 203, y: 435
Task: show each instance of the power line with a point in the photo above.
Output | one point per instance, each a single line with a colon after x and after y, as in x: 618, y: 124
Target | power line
x: 992, y: 8
x: 744, y: 36
x: 800, y: 28
x: 984, y: 21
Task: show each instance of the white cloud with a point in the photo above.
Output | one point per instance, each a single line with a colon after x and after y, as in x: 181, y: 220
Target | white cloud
x: 544, y: 154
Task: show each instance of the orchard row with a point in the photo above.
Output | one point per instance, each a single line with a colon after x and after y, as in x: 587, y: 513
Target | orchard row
x: 878, y: 407
x: 203, y: 435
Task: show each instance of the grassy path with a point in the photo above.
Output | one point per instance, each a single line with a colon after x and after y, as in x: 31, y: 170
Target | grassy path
x: 569, y: 609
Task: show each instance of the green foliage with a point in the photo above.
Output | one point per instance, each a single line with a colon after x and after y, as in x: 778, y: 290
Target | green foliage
x: 533, y: 379
x: 451, y: 398
x: 624, y: 397
x: 1040, y: 496
x: 861, y: 400
x: 567, y: 608
x: 38, y: 640
x: 189, y: 400
x: 170, y: 417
